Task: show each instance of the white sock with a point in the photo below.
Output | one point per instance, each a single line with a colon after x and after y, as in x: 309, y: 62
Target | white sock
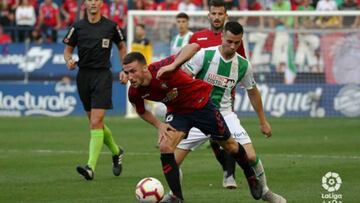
x: 260, y: 174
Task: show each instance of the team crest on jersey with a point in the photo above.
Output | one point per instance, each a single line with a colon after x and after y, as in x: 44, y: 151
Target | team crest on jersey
x: 105, y: 43
x: 220, y: 81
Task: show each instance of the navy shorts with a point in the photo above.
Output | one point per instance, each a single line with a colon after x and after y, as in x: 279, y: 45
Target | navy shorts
x: 208, y: 119
x: 95, y: 88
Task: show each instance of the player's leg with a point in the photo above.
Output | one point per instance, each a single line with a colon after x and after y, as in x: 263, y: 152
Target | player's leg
x: 256, y: 164
x: 167, y: 148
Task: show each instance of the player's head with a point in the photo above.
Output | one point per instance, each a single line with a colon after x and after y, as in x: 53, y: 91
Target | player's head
x: 217, y: 14
x: 231, y: 38
x: 182, y: 22
x: 93, y: 6
x: 140, y: 31
x: 134, y: 66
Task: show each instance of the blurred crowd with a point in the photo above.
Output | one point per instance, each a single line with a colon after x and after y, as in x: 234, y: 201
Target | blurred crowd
x: 41, y: 21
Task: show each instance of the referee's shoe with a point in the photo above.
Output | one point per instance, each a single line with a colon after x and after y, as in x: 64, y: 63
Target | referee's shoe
x: 117, y: 162
x: 86, y: 171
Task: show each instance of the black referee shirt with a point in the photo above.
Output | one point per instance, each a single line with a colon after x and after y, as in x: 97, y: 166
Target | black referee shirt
x: 94, y: 42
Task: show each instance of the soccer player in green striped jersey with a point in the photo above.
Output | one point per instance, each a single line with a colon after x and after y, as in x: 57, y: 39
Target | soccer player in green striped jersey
x: 181, y: 39
x: 222, y: 67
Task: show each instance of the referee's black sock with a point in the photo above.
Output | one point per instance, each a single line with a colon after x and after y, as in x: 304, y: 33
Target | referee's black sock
x: 171, y: 172
x: 241, y: 158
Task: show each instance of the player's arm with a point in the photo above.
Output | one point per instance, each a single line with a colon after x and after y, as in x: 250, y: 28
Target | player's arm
x: 70, y: 62
x: 254, y: 95
x: 185, y: 54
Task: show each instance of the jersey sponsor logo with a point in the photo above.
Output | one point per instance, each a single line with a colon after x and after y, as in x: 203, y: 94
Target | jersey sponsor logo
x: 202, y: 38
x: 221, y: 81
x: 145, y: 95
x: 171, y: 95
x: 105, y: 43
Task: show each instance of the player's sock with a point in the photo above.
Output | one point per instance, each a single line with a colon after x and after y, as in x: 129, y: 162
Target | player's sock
x: 96, y: 143
x: 171, y: 172
x: 219, y: 154
x: 260, y: 174
x: 109, y: 141
x: 230, y: 165
x: 241, y: 158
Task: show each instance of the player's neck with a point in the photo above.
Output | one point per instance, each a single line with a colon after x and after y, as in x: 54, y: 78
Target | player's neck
x: 225, y: 56
x: 183, y: 33
x: 216, y: 30
x: 93, y: 18
x: 147, y: 79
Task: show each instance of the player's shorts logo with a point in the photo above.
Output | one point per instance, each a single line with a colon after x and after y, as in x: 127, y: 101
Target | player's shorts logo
x: 331, y: 181
x: 169, y: 118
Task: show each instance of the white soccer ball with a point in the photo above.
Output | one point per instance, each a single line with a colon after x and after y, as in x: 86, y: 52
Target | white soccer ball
x: 149, y: 190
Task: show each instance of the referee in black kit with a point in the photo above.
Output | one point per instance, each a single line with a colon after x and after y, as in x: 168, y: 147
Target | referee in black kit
x: 93, y: 36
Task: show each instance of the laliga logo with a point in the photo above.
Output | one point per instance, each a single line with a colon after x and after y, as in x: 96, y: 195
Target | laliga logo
x: 35, y: 58
x: 331, y: 181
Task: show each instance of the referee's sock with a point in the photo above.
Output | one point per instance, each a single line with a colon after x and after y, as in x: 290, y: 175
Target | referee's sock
x: 171, y: 172
x: 96, y: 143
x: 109, y: 141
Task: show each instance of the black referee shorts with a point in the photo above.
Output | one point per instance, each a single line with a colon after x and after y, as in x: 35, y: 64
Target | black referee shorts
x: 208, y: 119
x: 95, y: 88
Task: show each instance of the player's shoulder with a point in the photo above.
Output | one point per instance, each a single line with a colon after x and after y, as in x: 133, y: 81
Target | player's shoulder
x: 108, y: 22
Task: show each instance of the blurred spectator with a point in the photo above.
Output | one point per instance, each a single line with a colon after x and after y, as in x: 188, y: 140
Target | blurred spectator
x: 7, y: 14
x: 69, y: 11
x: 141, y: 43
x: 304, y: 21
x: 349, y: 21
x: 36, y: 37
x: 138, y: 5
x: 282, y: 5
x: 149, y: 5
x: 118, y: 12
x: 4, y: 38
x: 186, y: 5
x: 49, y: 20
x: 25, y: 19
x: 231, y: 4
x: 254, y: 5
x: 168, y: 5
x: 184, y: 34
x: 327, y: 21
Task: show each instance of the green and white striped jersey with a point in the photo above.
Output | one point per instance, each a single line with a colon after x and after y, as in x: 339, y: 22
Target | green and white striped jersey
x: 180, y: 41
x: 210, y: 66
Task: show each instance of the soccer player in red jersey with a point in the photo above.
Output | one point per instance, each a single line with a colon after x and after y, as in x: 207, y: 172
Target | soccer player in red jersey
x: 188, y: 105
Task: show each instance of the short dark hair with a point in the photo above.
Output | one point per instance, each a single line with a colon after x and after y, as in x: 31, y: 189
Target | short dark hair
x: 217, y: 3
x: 182, y: 15
x: 140, y: 25
x: 134, y: 56
x: 234, y: 27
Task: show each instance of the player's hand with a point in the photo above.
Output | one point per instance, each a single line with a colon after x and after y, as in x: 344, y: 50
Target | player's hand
x: 165, y: 69
x: 266, y: 129
x: 123, y: 77
x: 164, y: 131
x: 71, y: 64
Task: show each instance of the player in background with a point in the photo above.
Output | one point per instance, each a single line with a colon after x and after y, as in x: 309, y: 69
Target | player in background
x: 212, y: 37
x: 188, y: 105
x: 181, y: 39
x: 93, y: 36
x: 222, y: 67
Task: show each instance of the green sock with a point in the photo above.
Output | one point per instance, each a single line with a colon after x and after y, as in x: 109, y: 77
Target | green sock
x: 109, y: 141
x: 96, y: 143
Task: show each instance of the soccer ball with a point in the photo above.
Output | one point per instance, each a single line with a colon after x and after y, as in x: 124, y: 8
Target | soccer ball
x: 149, y: 190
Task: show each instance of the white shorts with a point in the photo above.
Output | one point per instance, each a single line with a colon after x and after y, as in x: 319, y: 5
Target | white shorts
x: 196, y: 137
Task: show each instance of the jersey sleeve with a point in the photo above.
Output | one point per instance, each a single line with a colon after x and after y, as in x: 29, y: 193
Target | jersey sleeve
x: 71, y: 37
x: 195, y: 64
x: 248, y: 81
x: 192, y: 38
x: 119, y: 35
x: 136, y: 100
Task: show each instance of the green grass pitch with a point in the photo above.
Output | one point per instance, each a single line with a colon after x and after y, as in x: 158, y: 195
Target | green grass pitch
x: 38, y: 156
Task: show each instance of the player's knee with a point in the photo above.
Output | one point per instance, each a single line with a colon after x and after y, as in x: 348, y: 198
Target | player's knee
x: 230, y: 146
x: 165, y: 147
x: 251, y: 156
